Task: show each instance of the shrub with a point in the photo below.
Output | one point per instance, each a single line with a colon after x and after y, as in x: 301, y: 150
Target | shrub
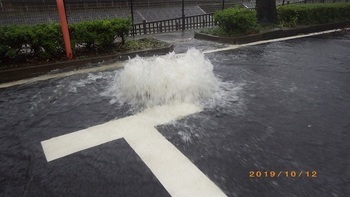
x: 236, y: 20
x: 99, y: 34
x: 20, y: 42
x: 24, y: 43
x: 305, y: 14
x: 13, y: 40
x: 46, y: 41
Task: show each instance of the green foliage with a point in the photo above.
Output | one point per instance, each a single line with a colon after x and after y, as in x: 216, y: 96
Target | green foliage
x: 99, y: 34
x: 21, y: 43
x: 14, y: 40
x: 236, y: 20
x: 305, y: 14
x: 45, y: 41
x: 42, y: 42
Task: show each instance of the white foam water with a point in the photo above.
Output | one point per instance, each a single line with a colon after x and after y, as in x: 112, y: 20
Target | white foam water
x: 169, y: 79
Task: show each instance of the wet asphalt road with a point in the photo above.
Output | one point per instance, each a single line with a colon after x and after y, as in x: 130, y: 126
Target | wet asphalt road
x: 294, y: 115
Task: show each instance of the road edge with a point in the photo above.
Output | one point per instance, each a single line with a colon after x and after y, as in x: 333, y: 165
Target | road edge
x: 15, y: 74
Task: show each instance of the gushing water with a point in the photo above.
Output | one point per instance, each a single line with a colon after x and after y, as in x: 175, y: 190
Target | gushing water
x: 170, y: 79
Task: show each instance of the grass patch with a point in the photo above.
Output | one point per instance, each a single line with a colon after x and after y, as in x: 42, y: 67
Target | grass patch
x: 142, y: 44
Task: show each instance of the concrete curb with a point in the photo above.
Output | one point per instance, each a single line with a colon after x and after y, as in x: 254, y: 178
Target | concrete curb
x: 8, y: 75
x: 272, y: 34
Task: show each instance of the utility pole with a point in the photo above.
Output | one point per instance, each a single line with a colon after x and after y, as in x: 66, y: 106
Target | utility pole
x: 183, y: 15
x: 223, y: 4
x: 65, y: 9
x: 64, y: 28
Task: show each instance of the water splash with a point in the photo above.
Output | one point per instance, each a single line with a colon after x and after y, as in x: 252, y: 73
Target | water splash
x: 171, y: 79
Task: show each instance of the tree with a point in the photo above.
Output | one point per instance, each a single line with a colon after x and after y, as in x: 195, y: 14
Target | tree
x: 266, y: 11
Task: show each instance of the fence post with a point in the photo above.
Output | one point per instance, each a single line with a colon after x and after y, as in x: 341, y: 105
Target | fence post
x: 132, y: 17
x: 64, y: 27
x: 144, y: 27
x: 183, y: 15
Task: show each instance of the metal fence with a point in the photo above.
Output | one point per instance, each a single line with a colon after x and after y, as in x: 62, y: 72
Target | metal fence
x: 176, y: 24
x: 45, y: 11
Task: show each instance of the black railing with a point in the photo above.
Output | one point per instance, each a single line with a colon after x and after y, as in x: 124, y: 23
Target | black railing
x: 175, y: 24
x: 101, y: 4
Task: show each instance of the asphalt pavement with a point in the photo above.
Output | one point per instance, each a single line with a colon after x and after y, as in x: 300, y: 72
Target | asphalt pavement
x: 287, y: 133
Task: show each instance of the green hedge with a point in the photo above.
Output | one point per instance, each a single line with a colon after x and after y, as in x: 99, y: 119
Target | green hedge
x: 22, y: 43
x: 236, y: 20
x: 37, y: 43
x: 306, y: 14
x: 99, y: 34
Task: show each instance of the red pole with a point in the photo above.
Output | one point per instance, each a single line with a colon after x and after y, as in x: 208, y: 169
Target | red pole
x: 64, y: 27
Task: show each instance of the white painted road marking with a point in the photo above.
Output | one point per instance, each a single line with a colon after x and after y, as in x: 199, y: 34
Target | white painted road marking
x: 231, y: 47
x: 179, y: 176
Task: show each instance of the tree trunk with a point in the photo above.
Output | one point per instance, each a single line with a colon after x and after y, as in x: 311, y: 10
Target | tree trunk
x: 266, y: 11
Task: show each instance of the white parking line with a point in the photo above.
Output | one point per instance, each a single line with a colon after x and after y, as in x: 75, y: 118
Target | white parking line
x: 231, y: 47
x: 179, y: 176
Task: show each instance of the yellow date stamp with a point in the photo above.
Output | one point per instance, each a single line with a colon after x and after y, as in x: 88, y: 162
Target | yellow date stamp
x: 287, y: 173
